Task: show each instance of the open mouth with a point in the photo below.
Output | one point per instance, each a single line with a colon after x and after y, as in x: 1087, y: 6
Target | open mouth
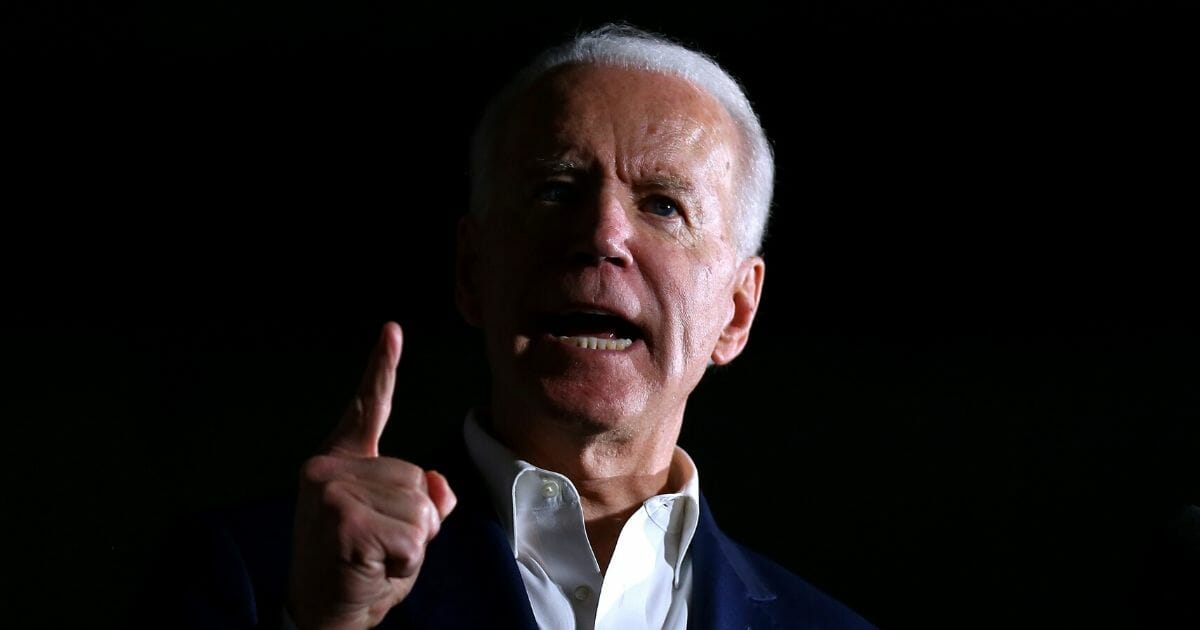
x: 592, y: 330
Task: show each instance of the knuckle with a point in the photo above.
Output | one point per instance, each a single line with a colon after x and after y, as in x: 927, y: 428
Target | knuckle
x: 409, y: 473
x: 334, y: 496
x: 406, y: 473
x: 435, y: 521
x: 378, y: 405
x: 408, y: 549
x: 357, y: 406
x: 420, y: 513
x: 417, y: 557
x: 367, y: 403
x: 420, y: 533
x: 409, y: 496
x: 426, y: 514
x: 317, y: 469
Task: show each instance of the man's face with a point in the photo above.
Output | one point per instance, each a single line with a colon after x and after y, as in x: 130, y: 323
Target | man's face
x: 605, y: 274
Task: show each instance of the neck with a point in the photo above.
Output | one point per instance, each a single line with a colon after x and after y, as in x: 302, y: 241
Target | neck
x: 615, y: 466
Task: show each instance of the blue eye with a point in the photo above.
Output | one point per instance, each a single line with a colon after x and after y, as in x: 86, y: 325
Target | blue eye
x: 661, y: 206
x: 556, y: 193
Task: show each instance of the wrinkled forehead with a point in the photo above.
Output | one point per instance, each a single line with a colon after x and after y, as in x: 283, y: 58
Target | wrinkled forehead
x: 590, y: 106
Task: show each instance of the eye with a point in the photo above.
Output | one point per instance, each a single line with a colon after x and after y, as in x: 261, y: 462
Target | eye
x: 660, y: 206
x: 556, y: 192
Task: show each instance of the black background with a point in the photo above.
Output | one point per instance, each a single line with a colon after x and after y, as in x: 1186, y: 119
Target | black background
x: 969, y: 399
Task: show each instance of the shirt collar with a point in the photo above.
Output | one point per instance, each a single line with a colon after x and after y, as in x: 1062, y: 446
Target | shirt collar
x: 502, y: 471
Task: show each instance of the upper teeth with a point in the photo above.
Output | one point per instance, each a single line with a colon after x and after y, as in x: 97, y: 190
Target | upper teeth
x: 595, y: 343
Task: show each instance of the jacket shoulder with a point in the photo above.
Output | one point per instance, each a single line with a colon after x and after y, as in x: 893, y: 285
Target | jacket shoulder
x: 736, y: 586
x: 799, y: 604
x: 224, y: 568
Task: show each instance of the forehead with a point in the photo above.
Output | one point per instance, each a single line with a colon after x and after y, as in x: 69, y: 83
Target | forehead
x: 591, y: 107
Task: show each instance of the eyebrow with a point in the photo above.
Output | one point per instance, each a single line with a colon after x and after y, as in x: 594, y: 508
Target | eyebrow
x: 557, y: 166
x: 668, y: 182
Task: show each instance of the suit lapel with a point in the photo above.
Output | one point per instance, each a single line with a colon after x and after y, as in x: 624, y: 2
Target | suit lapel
x: 726, y: 590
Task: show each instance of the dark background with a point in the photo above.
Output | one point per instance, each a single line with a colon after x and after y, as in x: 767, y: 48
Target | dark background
x: 969, y: 400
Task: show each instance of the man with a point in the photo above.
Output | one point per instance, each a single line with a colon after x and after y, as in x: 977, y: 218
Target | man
x: 621, y: 187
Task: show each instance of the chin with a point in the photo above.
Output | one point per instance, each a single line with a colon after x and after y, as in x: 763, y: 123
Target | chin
x: 591, y: 407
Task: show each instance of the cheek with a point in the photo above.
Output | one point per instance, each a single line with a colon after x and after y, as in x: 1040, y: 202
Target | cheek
x: 697, y: 305
x: 508, y: 245
x: 503, y: 262
x: 709, y: 304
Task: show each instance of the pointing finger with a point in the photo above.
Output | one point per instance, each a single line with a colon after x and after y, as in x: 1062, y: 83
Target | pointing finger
x: 362, y: 425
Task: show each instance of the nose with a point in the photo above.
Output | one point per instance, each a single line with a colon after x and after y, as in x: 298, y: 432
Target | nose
x: 602, y: 231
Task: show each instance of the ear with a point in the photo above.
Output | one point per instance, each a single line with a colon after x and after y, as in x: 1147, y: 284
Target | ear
x: 747, y: 289
x: 466, y: 264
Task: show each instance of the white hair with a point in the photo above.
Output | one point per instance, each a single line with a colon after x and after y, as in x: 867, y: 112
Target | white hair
x: 630, y: 48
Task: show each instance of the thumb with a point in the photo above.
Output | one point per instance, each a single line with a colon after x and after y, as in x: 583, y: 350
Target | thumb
x: 440, y: 493
x: 361, y: 426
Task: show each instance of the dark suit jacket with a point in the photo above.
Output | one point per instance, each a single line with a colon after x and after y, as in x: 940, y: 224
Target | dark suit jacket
x: 230, y: 571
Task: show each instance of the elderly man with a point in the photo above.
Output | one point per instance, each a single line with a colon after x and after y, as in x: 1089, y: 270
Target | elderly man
x: 621, y: 188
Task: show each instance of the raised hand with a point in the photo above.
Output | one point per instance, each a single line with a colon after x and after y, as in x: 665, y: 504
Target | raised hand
x: 362, y: 521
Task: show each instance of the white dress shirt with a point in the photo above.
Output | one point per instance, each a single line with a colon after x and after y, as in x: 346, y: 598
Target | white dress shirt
x: 649, y: 577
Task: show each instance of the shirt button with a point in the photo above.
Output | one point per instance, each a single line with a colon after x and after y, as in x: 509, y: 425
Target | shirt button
x: 550, y: 488
x: 582, y: 593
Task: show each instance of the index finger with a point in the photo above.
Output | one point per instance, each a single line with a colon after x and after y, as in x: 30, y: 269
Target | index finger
x: 361, y: 426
